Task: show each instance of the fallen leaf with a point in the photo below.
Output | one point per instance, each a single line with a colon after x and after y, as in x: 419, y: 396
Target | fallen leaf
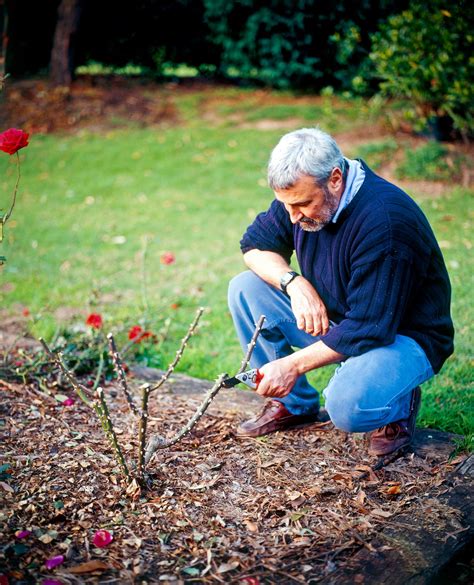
x: 89, y: 567
x: 393, y: 490
x: 381, y: 513
x: 226, y: 567
x: 251, y: 526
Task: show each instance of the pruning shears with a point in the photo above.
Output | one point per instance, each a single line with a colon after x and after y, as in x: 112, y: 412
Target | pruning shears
x: 250, y: 378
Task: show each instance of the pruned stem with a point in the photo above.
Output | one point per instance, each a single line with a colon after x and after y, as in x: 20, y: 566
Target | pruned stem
x: 121, y: 374
x: 157, y: 442
x: 251, y: 344
x: 109, y: 427
x: 179, y: 353
x: 79, y: 388
x: 142, y: 427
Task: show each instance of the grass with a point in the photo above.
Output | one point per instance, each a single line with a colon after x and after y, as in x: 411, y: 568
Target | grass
x: 430, y: 161
x: 87, y: 202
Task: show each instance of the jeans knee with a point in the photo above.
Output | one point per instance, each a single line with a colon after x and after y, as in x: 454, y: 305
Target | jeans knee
x: 347, y: 414
x: 342, y: 415
x: 237, y: 285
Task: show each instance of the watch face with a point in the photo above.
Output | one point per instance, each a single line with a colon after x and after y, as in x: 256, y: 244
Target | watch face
x: 286, y: 278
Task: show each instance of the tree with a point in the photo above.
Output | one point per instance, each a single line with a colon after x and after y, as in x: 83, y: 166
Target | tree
x: 62, y: 62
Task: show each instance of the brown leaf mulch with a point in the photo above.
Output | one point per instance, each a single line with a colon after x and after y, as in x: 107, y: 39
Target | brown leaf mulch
x: 38, y: 107
x: 287, y: 508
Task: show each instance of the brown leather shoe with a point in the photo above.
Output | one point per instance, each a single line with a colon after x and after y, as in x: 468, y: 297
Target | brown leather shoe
x: 396, y: 435
x: 273, y: 417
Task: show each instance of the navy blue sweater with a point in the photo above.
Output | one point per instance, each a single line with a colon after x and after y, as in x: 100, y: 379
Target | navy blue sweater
x: 378, y: 270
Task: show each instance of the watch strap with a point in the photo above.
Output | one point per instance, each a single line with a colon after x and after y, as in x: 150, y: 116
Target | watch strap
x: 286, y: 279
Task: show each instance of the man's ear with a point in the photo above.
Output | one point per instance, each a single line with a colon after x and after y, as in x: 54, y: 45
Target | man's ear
x: 336, y: 179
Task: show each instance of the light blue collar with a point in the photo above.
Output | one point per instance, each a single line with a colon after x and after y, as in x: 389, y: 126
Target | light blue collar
x: 355, y: 178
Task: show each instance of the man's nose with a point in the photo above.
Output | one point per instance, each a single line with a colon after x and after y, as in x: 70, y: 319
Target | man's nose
x: 295, y: 215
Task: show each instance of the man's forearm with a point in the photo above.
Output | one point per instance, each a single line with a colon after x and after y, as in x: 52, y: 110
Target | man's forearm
x: 312, y: 357
x: 270, y: 266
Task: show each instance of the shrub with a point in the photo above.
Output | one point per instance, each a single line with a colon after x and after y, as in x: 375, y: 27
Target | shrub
x: 425, y: 54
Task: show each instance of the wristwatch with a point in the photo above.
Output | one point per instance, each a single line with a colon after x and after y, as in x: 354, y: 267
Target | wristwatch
x: 286, y: 279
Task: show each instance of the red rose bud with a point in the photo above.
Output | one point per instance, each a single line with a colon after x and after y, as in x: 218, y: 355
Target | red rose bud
x: 12, y: 140
x: 94, y: 320
x: 102, y: 538
x: 167, y: 258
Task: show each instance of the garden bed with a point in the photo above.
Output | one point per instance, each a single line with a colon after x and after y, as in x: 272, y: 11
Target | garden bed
x: 301, y: 506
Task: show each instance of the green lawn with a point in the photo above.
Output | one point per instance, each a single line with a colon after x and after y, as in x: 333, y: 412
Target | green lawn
x: 87, y: 203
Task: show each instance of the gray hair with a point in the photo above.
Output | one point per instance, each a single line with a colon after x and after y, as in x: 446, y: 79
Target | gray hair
x: 308, y: 151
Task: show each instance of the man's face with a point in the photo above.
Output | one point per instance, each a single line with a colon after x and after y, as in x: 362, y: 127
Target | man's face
x: 310, y: 206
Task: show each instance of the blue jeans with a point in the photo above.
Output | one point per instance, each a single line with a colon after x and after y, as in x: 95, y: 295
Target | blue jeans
x: 366, y: 391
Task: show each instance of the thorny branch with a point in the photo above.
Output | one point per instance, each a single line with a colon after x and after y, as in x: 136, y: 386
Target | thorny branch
x: 157, y: 442
x: 251, y: 344
x: 109, y: 428
x: 179, y: 353
x: 79, y: 388
x: 142, y: 427
x: 121, y: 374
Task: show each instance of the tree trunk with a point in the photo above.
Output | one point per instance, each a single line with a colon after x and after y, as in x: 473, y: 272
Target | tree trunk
x: 62, y: 64
x: 3, y: 54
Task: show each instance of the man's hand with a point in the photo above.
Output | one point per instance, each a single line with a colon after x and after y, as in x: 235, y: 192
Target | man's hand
x: 279, y: 377
x: 308, y: 308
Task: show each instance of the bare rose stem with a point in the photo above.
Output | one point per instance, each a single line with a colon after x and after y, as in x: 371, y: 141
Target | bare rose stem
x: 116, y: 360
x: 157, y: 442
x: 110, y: 430
x: 6, y: 217
x: 142, y: 431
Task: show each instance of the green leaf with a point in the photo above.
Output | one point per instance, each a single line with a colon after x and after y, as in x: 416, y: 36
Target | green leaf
x: 191, y: 571
x: 61, y: 397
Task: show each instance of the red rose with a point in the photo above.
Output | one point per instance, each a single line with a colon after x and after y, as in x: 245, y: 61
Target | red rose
x: 94, y: 320
x: 167, y: 258
x: 135, y: 332
x: 12, y: 140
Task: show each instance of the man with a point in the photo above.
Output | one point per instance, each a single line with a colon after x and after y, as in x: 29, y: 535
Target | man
x: 373, y: 295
